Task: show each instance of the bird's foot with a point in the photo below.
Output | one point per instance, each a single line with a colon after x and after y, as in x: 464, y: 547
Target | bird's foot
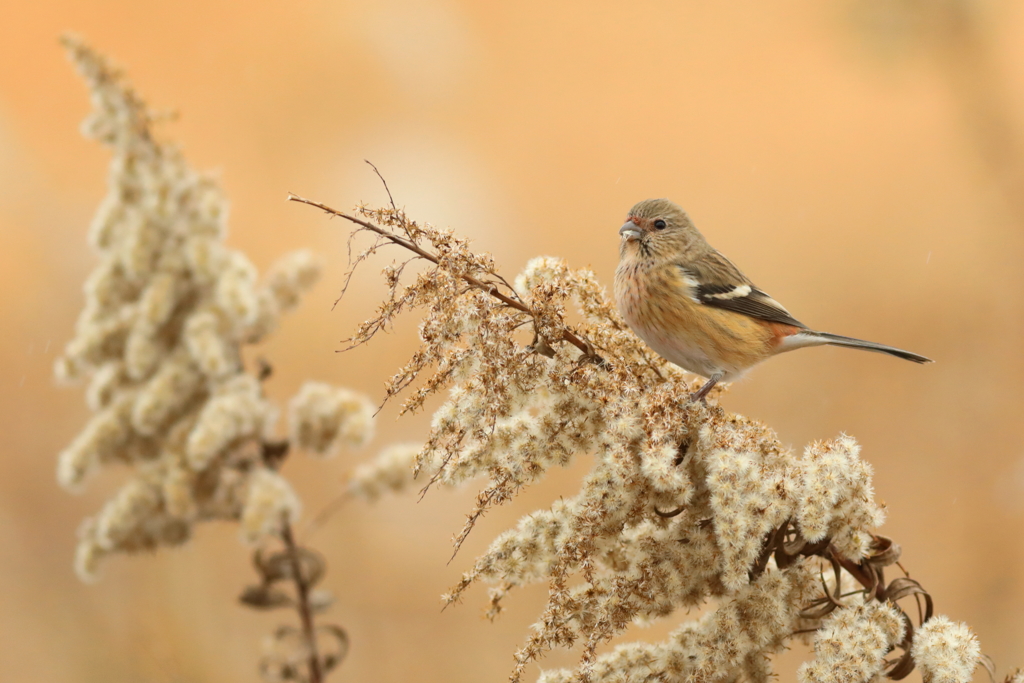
x: 701, y: 394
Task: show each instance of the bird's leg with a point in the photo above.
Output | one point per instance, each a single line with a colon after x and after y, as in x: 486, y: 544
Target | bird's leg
x: 703, y: 391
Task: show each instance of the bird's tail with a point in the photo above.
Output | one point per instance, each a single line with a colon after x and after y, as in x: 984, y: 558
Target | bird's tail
x: 837, y: 340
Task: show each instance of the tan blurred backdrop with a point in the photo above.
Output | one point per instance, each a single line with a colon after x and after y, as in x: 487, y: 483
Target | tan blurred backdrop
x: 860, y: 160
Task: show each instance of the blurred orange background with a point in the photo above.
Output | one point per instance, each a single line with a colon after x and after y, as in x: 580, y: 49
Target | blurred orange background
x: 861, y: 160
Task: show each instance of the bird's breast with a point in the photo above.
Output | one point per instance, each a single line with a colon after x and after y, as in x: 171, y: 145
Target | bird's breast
x: 658, y: 305
x: 657, y: 309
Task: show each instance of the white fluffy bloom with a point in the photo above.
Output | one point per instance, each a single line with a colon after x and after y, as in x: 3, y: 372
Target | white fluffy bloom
x: 945, y: 651
x: 179, y: 490
x: 746, y: 506
x: 390, y: 472
x: 206, y: 257
x: 104, y: 385
x: 270, y: 501
x: 104, y: 435
x: 539, y: 270
x: 142, y: 351
x: 291, y: 275
x: 663, y: 468
x: 158, y: 300
x: 125, y: 512
x: 851, y: 645
x: 88, y: 553
x: 236, y: 289
x: 237, y: 412
x: 835, y: 497
x: 166, y: 312
x: 207, y: 340
x: 166, y: 395
x: 141, y: 246
x: 322, y: 418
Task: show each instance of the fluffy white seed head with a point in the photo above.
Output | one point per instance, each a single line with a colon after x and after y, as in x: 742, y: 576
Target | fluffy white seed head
x: 322, y: 418
x: 238, y: 412
x: 946, y: 651
x: 392, y: 471
x: 175, y: 389
x: 209, y: 341
x: 269, y: 503
x: 159, y: 339
x: 836, y: 498
x: 852, y: 643
x: 236, y: 290
x: 292, y: 275
x: 104, y: 436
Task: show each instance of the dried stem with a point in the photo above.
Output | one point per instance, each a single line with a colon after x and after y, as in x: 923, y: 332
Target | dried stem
x: 876, y: 587
x: 567, y: 334
x: 303, y: 605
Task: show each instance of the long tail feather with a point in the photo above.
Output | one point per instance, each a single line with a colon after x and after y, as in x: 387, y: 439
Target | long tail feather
x: 837, y: 340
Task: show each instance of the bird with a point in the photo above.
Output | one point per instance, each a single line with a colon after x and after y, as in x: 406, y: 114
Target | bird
x: 696, y: 309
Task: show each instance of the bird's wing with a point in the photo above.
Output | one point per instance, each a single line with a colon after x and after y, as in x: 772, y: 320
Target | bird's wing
x: 716, y: 282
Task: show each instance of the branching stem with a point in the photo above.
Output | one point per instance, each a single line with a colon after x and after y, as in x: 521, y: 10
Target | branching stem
x: 567, y: 335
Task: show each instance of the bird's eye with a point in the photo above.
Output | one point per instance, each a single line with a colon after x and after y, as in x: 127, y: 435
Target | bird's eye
x: 660, y: 224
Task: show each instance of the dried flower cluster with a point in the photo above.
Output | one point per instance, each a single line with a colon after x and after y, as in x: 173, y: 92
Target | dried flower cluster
x: 160, y: 340
x: 946, y: 651
x: 685, y: 503
x: 390, y: 472
x: 323, y: 418
x: 852, y: 643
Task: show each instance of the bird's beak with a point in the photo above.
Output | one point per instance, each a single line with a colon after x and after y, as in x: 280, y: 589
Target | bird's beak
x: 630, y: 231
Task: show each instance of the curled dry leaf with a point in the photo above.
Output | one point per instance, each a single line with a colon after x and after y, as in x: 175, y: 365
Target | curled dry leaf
x: 904, y: 587
x: 286, y: 652
x: 265, y: 597
x: 336, y: 652
x: 884, y: 552
x: 278, y: 565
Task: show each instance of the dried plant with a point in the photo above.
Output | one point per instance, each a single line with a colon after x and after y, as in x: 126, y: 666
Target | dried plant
x: 166, y: 314
x: 685, y: 503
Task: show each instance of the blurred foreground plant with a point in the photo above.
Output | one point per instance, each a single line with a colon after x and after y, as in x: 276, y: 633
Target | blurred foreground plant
x: 160, y: 341
x: 685, y: 502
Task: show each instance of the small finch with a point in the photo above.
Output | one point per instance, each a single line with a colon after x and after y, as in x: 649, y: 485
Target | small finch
x: 696, y: 309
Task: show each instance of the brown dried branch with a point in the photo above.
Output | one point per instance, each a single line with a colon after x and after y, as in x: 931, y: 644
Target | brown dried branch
x: 296, y: 654
x: 383, y: 182
x: 302, y: 587
x: 491, y: 289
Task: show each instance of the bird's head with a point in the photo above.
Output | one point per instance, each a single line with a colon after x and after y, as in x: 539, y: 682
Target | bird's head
x: 656, y: 226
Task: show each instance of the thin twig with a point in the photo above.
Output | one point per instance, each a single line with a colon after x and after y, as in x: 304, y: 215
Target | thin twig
x: 567, y: 335
x: 385, y: 183
x: 305, y: 609
x: 326, y: 513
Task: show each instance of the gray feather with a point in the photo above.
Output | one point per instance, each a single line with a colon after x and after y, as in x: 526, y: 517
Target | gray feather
x: 850, y: 342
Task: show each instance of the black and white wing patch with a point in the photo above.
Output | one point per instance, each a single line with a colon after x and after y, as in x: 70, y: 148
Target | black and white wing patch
x: 748, y: 300
x: 724, y: 286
